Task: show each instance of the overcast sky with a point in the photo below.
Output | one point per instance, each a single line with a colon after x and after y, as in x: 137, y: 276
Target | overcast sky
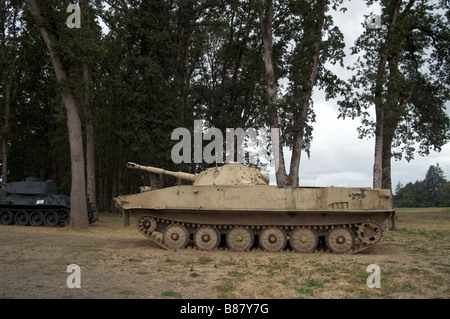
x: 338, y: 157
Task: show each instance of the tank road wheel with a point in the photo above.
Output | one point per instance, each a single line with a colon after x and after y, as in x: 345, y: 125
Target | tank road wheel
x: 369, y: 232
x: 206, y: 238
x: 176, y: 236
x: 6, y: 217
x: 303, y: 240
x: 340, y: 240
x: 273, y: 239
x: 146, y: 225
x: 240, y: 239
x: 36, y: 218
x: 51, y: 219
x: 21, y: 218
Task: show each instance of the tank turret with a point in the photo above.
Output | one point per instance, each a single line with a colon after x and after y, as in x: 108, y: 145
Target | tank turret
x: 229, y: 174
x: 31, y: 186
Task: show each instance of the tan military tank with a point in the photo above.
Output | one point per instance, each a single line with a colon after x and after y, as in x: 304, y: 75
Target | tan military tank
x: 234, y: 205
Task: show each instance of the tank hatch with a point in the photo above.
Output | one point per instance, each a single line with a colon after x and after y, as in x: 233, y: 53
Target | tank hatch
x: 231, y: 174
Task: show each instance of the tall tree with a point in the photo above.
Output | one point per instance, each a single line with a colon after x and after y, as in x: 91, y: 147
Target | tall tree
x: 266, y: 20
x: 36, y: 141
x: 10, y: 53
x: 432, y: 191
x: 434, y: 179
x: 50, y: 36
x: 402, y: 71
x: 229, y: 89
x: 308, y: 28
x: 89, y: 55
x: 145, y: 87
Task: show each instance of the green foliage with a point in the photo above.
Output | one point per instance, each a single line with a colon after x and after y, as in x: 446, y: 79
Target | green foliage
x: 412, y: 195
x: 37, y: 135
x: 434, y: 190
x: 433, y: 181
x: 443, y: 198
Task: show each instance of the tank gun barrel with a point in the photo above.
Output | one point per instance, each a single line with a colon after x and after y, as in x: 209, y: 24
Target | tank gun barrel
x: 182, y: 175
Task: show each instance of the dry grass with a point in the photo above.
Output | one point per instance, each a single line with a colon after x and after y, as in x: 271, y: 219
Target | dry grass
x: 118, y: 262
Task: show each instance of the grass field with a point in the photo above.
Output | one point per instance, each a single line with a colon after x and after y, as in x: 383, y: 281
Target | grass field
x: 118, y: 262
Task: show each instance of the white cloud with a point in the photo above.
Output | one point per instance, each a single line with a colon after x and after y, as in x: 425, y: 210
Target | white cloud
x: 338, y: 157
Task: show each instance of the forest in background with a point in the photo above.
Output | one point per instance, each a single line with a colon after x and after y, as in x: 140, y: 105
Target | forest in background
x: 432, y: 191
x: 138, y: 70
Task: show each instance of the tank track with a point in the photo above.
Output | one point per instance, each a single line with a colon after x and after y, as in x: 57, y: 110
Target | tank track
x: 35, y: 217
x: 337, y: 238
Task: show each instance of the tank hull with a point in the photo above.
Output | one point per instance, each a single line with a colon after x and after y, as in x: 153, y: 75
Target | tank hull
x: 261, y: 209
x: 257, y: 197
x: 38, y: 210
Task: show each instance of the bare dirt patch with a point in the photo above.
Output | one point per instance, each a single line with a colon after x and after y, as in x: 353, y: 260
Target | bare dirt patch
x: 118, y: 262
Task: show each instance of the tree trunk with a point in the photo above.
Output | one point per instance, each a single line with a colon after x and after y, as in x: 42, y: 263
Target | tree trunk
x: 87, y: 108
x: 378, y: 156
x: 90, y: 163
x: 90, y: 151
x: 5, y: 134
x: 390, y: 125
x: 265, y: 19
x: 78, y: 215
x: 300, y: 117
x: 386, y: 160
x: 380, y: 106
x: 302, y: 114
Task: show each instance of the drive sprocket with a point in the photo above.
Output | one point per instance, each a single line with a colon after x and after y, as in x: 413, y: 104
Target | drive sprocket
x: 146, y: 225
